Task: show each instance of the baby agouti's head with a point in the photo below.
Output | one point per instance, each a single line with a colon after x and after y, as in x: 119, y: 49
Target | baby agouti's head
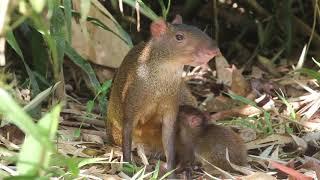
x: 191, y: 121
x: 181, y: 43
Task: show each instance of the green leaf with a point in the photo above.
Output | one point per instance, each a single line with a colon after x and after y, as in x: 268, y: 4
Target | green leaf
x: 38, y: 5
x: 34, y: 156
x: 106, y: 86
x: 68, y: 16
x: 77, y: 133
x: 268, y: 122
x: 90, y: 105
x: 40, y: 97
x: 57, y: 33
x: 144, y: 9
x: 15, y: 114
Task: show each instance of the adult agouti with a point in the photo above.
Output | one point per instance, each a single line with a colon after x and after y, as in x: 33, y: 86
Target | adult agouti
x: 147, y: 88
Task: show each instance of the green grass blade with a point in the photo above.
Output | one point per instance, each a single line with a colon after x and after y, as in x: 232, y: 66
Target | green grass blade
x: 156, y: 171
x: 244, y: 100
x: 311, y: 73
x: 144, y: 9
x: 167, y: 174
x: 58, y: 34
x: 68, y: 16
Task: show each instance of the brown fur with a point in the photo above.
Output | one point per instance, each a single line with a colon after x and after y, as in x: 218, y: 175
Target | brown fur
x: 208, y: 141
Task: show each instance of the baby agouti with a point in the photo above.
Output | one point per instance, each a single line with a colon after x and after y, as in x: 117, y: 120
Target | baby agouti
x: 145, y: 95
x: 197, y: 137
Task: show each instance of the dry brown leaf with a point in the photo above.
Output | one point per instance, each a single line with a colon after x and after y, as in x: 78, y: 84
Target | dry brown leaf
x: 224, y: 76
x: 239, y: 85
x: 259, y: 176
x: 302, y: 145
x: 67, y: 149
x: 270, y: 140
x: 313, y: 164
x: 99, y: 48
x: 257, y: 72
x: 92, y: 138
x: 245, y: 110
x: 267, y: 63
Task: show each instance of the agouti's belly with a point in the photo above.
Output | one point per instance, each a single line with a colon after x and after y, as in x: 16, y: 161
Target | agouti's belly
x: 149, y: 135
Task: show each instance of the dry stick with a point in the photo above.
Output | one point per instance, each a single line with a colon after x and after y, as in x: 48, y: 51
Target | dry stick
x: 216, y: 24
x: 302, y: 28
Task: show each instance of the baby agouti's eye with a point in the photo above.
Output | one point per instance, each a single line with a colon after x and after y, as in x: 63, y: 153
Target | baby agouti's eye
x: 179, y: 37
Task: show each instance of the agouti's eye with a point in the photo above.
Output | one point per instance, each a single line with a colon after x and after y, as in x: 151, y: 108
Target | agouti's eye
x: 179, y: 37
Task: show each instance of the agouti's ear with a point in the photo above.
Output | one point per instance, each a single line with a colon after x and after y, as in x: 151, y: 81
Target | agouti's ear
x: 158, y: 28
x: 177, y: 19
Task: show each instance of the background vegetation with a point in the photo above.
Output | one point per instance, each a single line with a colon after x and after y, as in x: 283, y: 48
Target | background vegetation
x: 46, y: 79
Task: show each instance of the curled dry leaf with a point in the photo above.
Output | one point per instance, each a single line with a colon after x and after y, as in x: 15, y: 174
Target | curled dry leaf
x: 224, y: 75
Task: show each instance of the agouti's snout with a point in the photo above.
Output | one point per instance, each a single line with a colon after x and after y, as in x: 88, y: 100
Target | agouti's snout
x: 204, y: 54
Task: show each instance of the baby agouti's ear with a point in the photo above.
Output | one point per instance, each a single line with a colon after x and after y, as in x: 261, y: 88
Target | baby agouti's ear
x: 158, y: 28
x: 177, y: 19
x: 194, y: 121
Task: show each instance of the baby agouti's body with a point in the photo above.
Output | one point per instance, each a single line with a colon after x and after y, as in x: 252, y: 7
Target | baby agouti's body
x: 210, y: 141
x: 145, y: 95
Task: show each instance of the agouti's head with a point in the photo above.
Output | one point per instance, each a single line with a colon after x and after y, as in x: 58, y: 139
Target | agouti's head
x: 183, y: 44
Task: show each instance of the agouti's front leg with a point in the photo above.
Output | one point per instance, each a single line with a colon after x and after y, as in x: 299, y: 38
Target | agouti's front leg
x: 168, y: 138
